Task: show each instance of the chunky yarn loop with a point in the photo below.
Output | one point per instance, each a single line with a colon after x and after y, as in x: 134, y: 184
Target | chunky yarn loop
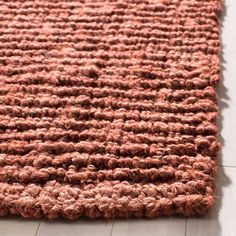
x: 108, y: 108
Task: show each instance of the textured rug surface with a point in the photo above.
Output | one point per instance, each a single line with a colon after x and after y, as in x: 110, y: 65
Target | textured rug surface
x: 108, y: 108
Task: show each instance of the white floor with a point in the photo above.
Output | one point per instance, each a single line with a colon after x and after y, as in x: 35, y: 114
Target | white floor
x: 220, y: 222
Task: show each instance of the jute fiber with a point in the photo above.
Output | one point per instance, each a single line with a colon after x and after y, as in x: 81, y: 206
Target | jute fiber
x: 108, y: 108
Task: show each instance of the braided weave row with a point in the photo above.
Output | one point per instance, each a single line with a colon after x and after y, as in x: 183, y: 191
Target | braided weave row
x: 108, y: 108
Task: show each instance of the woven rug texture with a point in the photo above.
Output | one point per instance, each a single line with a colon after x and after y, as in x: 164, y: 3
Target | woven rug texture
x: 108, y: 108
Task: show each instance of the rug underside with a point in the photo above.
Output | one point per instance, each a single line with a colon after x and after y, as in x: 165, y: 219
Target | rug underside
x: 108, y: 108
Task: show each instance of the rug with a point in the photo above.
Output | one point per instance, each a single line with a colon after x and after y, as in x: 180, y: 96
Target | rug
x: 108, y: 108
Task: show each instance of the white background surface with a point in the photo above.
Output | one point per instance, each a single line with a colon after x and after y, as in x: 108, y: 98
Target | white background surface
x: 222, y: 219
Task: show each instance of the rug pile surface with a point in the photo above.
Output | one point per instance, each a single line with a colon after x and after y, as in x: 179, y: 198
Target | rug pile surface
x: 108, y: 108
